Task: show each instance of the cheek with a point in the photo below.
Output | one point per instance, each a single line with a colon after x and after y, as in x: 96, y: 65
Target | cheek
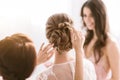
x: 90, y: 24
x: 92, y: 20
x: 93, y: 23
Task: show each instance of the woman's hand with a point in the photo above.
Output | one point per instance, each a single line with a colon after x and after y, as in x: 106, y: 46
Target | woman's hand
x: 45, y: 53
x: 77, y: 39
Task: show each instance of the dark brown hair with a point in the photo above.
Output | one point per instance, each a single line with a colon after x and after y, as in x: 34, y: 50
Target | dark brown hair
x: 97, y: 8
x: 17, y: 57
x: 58, y: 33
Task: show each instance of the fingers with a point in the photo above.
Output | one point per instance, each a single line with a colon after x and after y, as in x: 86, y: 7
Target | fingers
x: 47, y: 47
x: 77, y: 38
x: 45, y: 54
x: 75, y: 34
x: 50, y: 53
x: 41, y: 46
x: 44, y: 50
x: 72, y: 33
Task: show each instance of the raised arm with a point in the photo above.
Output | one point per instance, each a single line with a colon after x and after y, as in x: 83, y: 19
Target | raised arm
x: 77, y: 42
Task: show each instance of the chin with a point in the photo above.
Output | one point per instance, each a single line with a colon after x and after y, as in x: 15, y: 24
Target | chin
x: 89, y: 28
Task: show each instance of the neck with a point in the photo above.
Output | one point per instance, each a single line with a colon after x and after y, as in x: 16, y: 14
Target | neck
x: 95, y: 36
x: 62, y: 58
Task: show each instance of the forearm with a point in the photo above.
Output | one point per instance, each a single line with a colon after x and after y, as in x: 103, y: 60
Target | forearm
x: 79, y: 65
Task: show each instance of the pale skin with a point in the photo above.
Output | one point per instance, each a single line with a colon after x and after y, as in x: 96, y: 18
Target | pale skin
x: 45, y: 53
x: 111, y: 50
x: 64, y: 57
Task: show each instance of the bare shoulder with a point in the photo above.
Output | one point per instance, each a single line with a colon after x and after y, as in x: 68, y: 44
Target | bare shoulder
x: 111, y: 41
x: 112, y: 45
x: 113, y: 56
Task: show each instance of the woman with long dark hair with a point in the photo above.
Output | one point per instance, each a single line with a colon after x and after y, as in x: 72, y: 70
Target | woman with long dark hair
x: 100, y: 47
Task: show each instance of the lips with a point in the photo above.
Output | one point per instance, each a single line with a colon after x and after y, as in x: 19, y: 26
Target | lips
x: 89, y: 24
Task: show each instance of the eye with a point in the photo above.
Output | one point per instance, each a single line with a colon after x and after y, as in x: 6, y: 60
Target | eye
x: 91, y: 15
x: 84, y: 15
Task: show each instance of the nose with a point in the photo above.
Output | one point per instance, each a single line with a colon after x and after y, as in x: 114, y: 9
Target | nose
x: 88, y: 19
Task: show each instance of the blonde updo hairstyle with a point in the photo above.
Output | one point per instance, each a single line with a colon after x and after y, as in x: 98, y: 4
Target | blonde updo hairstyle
x: 58, y: 33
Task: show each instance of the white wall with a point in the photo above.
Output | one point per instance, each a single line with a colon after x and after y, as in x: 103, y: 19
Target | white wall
x: 114, y: 16
x: 29, y: 17
x: 76, y: 8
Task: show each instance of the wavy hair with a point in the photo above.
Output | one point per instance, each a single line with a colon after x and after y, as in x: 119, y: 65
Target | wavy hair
x: 58, y: 33
x: 97, y: 8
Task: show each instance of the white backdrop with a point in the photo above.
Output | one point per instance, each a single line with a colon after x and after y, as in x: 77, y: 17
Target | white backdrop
x: 114, y: 16
x: 29, y: 17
